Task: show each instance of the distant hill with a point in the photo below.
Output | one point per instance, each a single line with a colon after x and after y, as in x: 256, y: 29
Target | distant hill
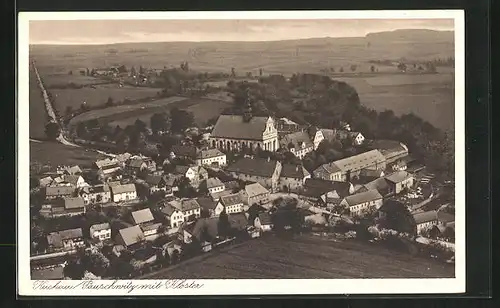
x: 412, y: 35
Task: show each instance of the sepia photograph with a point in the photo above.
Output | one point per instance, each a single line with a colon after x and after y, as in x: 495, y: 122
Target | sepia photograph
x: 212, y: 153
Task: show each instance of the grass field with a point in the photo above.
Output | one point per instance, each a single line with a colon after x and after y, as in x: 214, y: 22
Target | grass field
x: 202, y: 109
x: 98, y: 96
x: 52, y: 153
x: 130, y: 110
x: 37, y: 114
x: 52, y: 80
x: 305, y: 257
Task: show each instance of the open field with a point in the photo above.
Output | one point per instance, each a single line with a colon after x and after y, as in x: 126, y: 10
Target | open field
x: 37, y: 113
x: 202, y: 109
x: 53, y: 153
x: 52, y: 80
x: 305, y: 257
x: 98, y: 96
x: 130, y: 110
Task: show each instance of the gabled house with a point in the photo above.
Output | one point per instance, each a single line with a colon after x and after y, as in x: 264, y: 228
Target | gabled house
x: 211, y: 157
x: 74, y: 206
x: 213, y: 208
x: 131, y: 238
x: 399, y: 181
x: 195, y: 174
x: 55, y: 192
x: 369, y: 174
x: 143, y: 216
x: 425, y: 220
x: 213, y: 185
x: 392, y: 150
x: 185, y: 151
x: 231, y: 203
x: 293, y: 177
x: 316, y: 136
x: 173, y: 217
x: 266, y: 172
x: 74, y: 170
x: 137, y: 165
x: 356, y: 138
x: 357, y: 203
x: 298, y: 143
x: 46, y: 181
x: 125, y: 192
x: 187, y: 207
x: 254, y: 194
x: 66, y: 239
x: 263, y: 222
x: 157, y: 183
x: 100, y: 231
x: 95, y: 194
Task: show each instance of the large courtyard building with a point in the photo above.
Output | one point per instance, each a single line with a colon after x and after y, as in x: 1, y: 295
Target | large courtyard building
x: 237, y: 132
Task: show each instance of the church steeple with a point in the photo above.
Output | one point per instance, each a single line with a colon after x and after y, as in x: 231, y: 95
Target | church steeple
x: 247, y: 113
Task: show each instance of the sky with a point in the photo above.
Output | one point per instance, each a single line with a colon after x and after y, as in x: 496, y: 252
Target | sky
x: 124, y: 31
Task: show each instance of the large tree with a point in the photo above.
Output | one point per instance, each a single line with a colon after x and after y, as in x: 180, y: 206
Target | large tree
x: 397, y: 217
x: 52, y: 130
x: 160, y: 122
x: 181, y: 119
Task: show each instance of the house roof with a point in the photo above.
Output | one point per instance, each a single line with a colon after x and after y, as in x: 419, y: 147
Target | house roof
x: 72, y: 179
x: 52, y: 273
x: 131, y: 235
x: 424, y: 217
x: 106, y: 162
x: 293, y: 171
x: 101, y: 188
x: 379, y: 184
x: 45, y: 181
x: 232, y: 184
x: 180, y: 169
x: 257, y: 167
x: 238, y: 221
x: 214, y: 182
x: 153, y: 179
x: 73, y: 203
x: 54, y: 239
x: 136, y: 163
x: 230, y: 200
x: 142, y: 216
x: 206, y: 203
x: 371, y: 173
x: 255, y: 189
x: 234, y: 127
x: 389, y: 148
x: 185, y: 205
x: 327, y: 168
x: 265, y: 218
x: 216, y: 196
x: 71, y: 233
x: 360, y: 161
x: 59, y: 190
x: 370, y: 195
x: 184, y: 150
x: 73, y: 170
x: 298, y: 140
x: 149, y: 227
x: 203, y: 154
x: 125, y: 188
x: 99, y: 227
x: 169, y: 209
x: 445, y: 217
x: 398, y: 176
x: 323, y: 186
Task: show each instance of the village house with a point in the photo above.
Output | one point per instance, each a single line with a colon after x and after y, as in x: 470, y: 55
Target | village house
x: 213, y: 185
x: 392, y: 150
x: 380, y: 184
x: 66, y: 239
x: 125, y: 192
x: 187, y: 207
x: 143, y: 216
x: 173, y: 217
x: 316, y: 136
x: 73, y: 170
x: 350, y: 167
x: 74, y: 206
x: 185, y: 151
x: 157, y: 183
x: 195, y: 174
x: 131, y: 238
x: 204, y: 231
x: 425, y: 220
x: 326, y: 192
x: 254, y: 194
x: 231, y: 203
x: 69, y: 206
x: 44, y: 182
x: 216, y: 196
x: 55, y: 192
x: 137, y: 165
x: 298, y: 143
x: 293, y: 177
x: 107, y: 163
x: 399, y: 181
x: 263, y: 222
x: 357, y: 203
x: 236, y: 132
x: 96, y: 194
x: 208, y: 205
x: 70, y: 180
x: 211, y: 157
x: 100, y: 231
x: 266, y: 172
x: 356, y: 138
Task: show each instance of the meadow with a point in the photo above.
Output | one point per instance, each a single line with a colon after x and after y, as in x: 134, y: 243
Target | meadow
x: 98, y: 96
x: 37, y: 113
x: 55, y: 154
x: 305, y: 257
x: 54, y: 80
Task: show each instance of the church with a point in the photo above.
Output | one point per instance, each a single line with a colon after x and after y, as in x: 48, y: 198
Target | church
x: 238, y: 132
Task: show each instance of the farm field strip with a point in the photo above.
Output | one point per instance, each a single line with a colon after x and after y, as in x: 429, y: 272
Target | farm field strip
x: 306, y: 257
x: 51, y: 80
x: 56, y: 154
x: 37, y: 114
x: 110, y: 111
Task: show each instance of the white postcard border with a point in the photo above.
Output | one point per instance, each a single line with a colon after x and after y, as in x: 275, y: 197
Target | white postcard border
x: 28, y: 287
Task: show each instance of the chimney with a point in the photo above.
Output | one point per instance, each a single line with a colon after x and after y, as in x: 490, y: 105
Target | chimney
x: 297, y: 168
x: 269, y: 159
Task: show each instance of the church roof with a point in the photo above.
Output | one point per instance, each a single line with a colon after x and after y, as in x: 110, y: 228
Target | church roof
x: 234, y: 127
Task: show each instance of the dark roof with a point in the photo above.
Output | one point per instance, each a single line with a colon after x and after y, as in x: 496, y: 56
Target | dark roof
x: 370, y: 195
x: 206, y: 203
x: 71, y: 233
x: 299, y: 140
x: 425, y: 217
x: 238, y: 221
x: 398, y: 176
x: 184, y: 150
x: 209, y: 153
x: 181, y: 169
x: 230, y: 199
x: 234, y: 127
x: 389, y: 148
x: 118, y: 189
x: 59, y: 191
x: 265, y: 218
x: 445, y: 217
x: 327, y: 168
x: 169, y: 209
x: 131, y: 235
x: 324, y: 186
x: 153, y: 179
x: 257, y: 167
x: 213, y: 182
x: 294, y: 171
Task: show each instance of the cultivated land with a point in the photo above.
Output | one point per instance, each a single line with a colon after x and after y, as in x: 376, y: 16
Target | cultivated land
x: 305, y: 257
x: 426, y: 95
x: 54, y: 80
x: 55, y: 154
x: 98, y: 96
x: 37, y: 113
